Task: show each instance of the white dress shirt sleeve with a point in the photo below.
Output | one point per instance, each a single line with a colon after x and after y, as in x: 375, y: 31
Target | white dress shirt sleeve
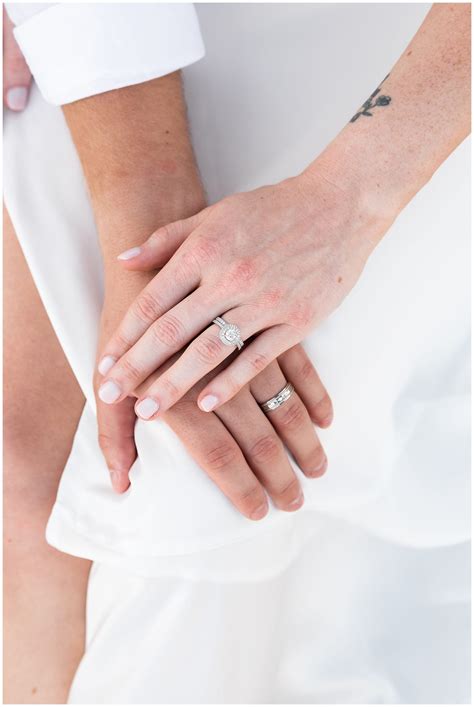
x: 75, y: 50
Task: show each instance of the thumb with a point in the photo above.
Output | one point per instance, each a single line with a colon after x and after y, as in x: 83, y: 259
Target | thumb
x: 116, y: 426
x: 161, y: 245
x: 16, y: 74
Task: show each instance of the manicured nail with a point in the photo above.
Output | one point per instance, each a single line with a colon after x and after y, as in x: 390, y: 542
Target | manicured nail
x: 109, y: 392
x: 208, y: 403
x: 146, y: 408
x: 259, y: 512
x: 297, y: 503
x: 17, y: 98
x: 129, y: 254
x: 106, y: 364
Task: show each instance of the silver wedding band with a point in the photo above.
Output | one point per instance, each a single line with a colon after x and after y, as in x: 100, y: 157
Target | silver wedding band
x: 280, y: 398
x: 229, y: 334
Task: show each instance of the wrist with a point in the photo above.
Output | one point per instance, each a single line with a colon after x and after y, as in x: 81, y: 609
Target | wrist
x: 128, y: 211
x: 367, y: 167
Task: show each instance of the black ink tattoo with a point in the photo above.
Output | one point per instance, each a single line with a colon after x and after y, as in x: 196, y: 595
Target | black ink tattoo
x: 373, y: 102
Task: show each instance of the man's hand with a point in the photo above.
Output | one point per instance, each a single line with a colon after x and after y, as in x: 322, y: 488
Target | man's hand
x: 116, y: 427
x: 16, y: 74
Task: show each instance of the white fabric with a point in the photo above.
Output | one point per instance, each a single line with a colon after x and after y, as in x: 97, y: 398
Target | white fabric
x: 398, y: 636
x: 367, y: 587
x: 75, y: 50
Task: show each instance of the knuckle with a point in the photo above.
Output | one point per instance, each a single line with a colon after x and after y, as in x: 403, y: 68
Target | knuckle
x: 130, y: 370
x: 306, y: 371
x: 315, y: 458
x: 165, y: 233
x: 205, y: 250
x: 265, y: 449
x: 122, y: 340
x: 168, y: 331
x: 251, y: 498
x: 242, y: 272
x: 207, y: 350
x: 288, y: 491
x: 301, y: 315
x: 323, y: 407
x: 292, y: 416
x: 170, y: 389
x: 146, y: 307
x: 258, y: 362
x: 271, y: 298
x: 105, y: 441
x: 14, y: 62
x: 220, y: 457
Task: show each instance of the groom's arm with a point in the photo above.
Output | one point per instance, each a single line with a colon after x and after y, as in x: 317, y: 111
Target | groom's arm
x: 138, y: 161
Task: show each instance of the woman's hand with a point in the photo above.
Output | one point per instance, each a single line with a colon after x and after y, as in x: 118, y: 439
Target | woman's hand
x: 274, y: 262
x: 16, y: 74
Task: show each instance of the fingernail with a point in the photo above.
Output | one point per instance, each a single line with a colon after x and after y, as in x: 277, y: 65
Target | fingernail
x: 17, y: 97
x: 109, y: 392
x: 297, y: 503
x: 146, y: 408
x: 327, y: 420
x: 129, y: 254
x: 115, y: 479
x: 319, y: 469
x: 120, y: 482
x: 106, y: 364
x: 208, y: 403
x: 259, y: 512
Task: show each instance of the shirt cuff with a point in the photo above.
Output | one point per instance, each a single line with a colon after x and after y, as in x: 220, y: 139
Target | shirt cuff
x: 78, y: 50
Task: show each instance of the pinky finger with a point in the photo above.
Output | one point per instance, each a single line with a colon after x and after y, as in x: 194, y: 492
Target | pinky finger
x: 256, y: 356
x: 161, y: 245
x: 298, y: 368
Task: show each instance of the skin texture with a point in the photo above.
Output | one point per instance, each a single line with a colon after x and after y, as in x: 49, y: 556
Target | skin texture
x: 44, y: 590
x: 278, y: 260
x: 140, y: 168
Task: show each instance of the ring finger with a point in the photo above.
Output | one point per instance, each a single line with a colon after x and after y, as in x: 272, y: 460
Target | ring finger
x: 201, y: 357
x: 291, y: 420
x: 262, y: 449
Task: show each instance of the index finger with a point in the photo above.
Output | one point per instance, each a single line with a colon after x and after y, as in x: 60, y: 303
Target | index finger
x: 173, y: 283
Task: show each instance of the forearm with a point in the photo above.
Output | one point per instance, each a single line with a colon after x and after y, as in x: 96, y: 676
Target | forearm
x: 384, y: 159
x: 138, y: 161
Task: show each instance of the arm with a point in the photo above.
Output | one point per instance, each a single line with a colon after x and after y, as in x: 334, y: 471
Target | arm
x: 139, y: 166
x: 138, y: 161
x: 280, y: 259
x: 384, y: 159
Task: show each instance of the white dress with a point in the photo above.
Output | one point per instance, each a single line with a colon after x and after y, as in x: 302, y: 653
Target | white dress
x: 363, y: 595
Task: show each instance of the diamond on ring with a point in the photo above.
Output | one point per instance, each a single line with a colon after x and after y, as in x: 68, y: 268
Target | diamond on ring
x: 281, y: 397
x: 229, y: 334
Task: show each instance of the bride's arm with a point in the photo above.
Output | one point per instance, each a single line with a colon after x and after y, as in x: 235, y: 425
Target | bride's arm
x: 278, y: 260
